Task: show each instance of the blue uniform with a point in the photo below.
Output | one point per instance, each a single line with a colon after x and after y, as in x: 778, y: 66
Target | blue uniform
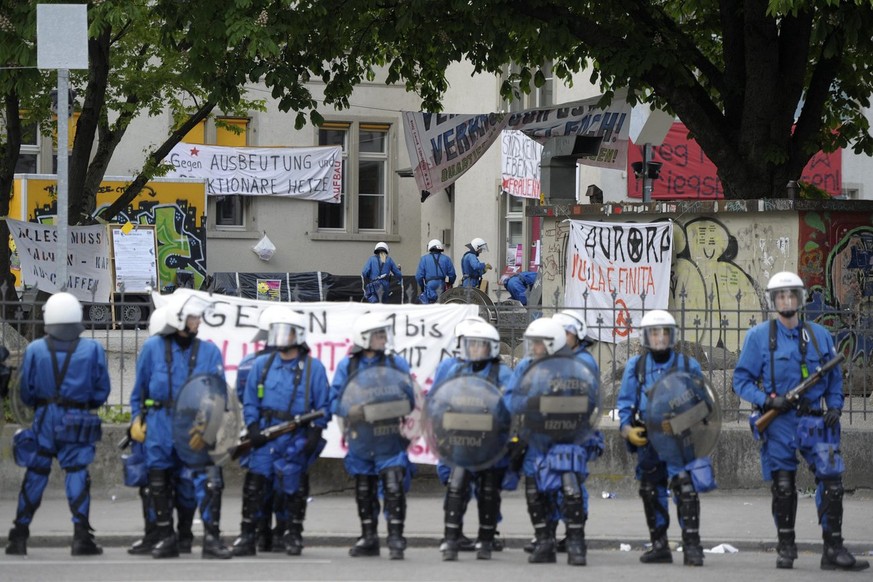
x: 655, y: 475
x: 393, y: 453
x: 289, y: 389
x: 434, y: 269
x: 519, y: 285
x: 154, y: 382
x: 62, y: 425
x: 472, y: 269
x: 537, y: 464
x: 377, y: 276
x: 799, y: 429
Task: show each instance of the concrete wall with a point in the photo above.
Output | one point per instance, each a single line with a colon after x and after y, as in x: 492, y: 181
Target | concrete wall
x: 735, y: 460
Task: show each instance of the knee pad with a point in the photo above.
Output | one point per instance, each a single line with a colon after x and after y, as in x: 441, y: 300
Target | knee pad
x: 459, y: 482
x: 682, y: 485
x: 392, y: 481
x: 214, y: 479
x: 570, y: 485
x: 783, y: 484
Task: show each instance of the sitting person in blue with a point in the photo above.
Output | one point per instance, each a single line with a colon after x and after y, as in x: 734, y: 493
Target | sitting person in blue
x: 658, y: 335
x: 554, y: 478
x: 377, y: 273
x: 435, y: 273
x: 472, y: 268
x: 520, y: 284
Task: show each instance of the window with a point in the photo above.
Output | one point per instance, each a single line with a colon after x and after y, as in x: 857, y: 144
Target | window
x: 230, y: 211
x: 513, y: 234
x: 28, y: 158
x: 364, y: 200
x: 538, y: 96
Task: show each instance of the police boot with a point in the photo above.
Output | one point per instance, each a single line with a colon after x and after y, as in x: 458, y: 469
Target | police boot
x: 263, y: 535
x: 213, y: 547
x: 16, y: 543
x: 296, y: 508
x: 277, y: 536
x: 836, y: 557
x: 689, y: 518
x: 159, y: 487
x: 365, y: 498
x: 246, y: 543
x: 659, y: 553
x: 395, y: 508
x: 573, y: 510
x: 453, y: 508
x: 577, y: 550
x: 83, y: 541
x: 784, y: 508
x: 544, y: 547
x: 185, y: 533
x: 150, y: 538
x: 489, y: 511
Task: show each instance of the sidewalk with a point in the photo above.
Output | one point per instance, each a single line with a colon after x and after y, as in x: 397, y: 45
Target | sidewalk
x: 741, y: 519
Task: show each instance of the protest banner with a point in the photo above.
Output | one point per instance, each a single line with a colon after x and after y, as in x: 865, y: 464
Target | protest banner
x: 313, y: 173
x: 88, y: 271
x: 520, y: 165
x: 423, y: 334
x: 442, y: 147
x: 610, y: 265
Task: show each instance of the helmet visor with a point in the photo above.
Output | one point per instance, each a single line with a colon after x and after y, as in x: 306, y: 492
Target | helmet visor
x: 475, y: 349
x: 282, y: 335
x: 536, y: 347
x: 787, y: 300
x: 659, y: 339
x: 379, y: 340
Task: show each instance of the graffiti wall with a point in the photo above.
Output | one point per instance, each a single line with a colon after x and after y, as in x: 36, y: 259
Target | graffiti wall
x: 176, y: 209
x: 724, y: 254
x: 836, y: 261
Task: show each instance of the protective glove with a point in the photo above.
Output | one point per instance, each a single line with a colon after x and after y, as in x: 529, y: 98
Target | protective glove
x: 313, y: 437
x: 256, y: 437
x: 196, y: 442
x: 779, y: 403
x: 832, y: 417
x: 137, y: 430
x: 516, y: 450
x: 635, y: 435
x: 488, y: 266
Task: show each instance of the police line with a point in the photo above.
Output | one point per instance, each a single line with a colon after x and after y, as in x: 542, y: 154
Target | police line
x: 423, y: 334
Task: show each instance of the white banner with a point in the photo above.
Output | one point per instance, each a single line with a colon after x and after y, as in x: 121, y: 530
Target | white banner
x: 520, y: 165
x: 88, y: 274
x: 442, y: 147
x: 624, y: 259
x: 314, y: 173
x: 423, y: 334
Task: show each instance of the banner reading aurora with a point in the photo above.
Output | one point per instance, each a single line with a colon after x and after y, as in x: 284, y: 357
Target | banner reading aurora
x: 624, y: 259
x: 443, y: 147
x: 314, y: 173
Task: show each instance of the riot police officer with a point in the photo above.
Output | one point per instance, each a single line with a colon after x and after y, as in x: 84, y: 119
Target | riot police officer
x: 377, y: 273
x: 472, y: 268
x: 63, y: 377
x: 480, y: 356
x: 165, y: 364
x: 383, y: 459
x: 658, y: 336
x: 273, y: 500
x: 777, y: 355
x: 554, y: 473
x: 435, y: 273
x: 520, y: 284
x: 280, y: 386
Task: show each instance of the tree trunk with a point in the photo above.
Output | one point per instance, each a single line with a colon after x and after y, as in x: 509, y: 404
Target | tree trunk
x: 11, y: 151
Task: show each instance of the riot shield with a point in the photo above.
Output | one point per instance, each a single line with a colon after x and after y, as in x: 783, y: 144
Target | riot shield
x: 556, y: 401
x: 466, y: 423
x: 206, y: 423
x: 683, y: 419
x: 374, y: 407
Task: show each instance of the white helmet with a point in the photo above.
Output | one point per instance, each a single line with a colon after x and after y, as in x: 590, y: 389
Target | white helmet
x: 181, y: 307
x: 287, y: 328
x: 573, y: 322
x: 267, y: 317
x: 62, y: 316
x: 661, y: 320
x: 381, y: 247
x: 476, y: 334
x: 464, y: 324
x: 786, y: 281
x: 158, y: 322
x: 435, y: 245
x: 546, y: 331
x: 364, y: 328
x: 478, y: 245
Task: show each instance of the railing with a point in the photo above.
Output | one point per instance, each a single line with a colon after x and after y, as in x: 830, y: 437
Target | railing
x: 714, y: 338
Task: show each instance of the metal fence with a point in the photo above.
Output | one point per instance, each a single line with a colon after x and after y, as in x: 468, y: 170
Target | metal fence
x: 713, y: 338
